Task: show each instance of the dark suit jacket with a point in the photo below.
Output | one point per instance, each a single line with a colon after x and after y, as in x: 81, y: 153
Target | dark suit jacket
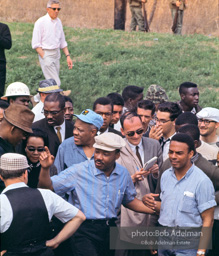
x: 5, y: 42
x: 52, y: 136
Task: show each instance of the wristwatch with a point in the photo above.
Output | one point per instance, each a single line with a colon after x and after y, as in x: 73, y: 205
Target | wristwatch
x: 200, y: 253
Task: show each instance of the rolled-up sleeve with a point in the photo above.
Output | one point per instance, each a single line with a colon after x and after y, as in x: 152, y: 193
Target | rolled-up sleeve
x: 130, y: 192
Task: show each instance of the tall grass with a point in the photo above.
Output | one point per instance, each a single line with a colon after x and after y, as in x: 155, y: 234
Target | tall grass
x: 106, y: 61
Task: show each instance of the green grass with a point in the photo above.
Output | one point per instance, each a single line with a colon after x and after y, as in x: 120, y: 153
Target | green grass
x: 107, y: 60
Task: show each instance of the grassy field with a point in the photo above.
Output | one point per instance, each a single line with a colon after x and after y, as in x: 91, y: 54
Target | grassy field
x: 106, y: 61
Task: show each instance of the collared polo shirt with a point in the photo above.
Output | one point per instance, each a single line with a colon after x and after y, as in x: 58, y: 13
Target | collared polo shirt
x: 95, y: 194
x: 183, y: 201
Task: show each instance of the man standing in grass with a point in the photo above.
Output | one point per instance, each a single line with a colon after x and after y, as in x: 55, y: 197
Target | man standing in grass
x: 137, y: 17
x: 48, y: 38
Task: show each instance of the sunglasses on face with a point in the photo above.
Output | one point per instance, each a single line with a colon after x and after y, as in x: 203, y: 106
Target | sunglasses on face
x: 32, y: 149
x: 132, y: 133
x: 54, y: 9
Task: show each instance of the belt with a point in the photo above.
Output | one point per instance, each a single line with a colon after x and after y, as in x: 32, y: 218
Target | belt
x: 107, y: 222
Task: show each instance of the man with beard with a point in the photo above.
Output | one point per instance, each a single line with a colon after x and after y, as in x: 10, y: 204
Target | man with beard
x: 99, y: 188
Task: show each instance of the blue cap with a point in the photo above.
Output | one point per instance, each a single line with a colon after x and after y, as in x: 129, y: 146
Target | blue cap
x: 90, y: 117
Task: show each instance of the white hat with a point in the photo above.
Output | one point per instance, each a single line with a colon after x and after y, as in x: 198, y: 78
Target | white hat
x: 13, y: 162
x: 208, y: 113
x: 17, y: 89
x: 109, y: 141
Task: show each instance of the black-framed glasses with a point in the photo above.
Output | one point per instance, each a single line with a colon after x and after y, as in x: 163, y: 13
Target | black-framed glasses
x: 132, y: 133
x: 206, y: 122
x: 53, y: 113
x: 54, y: 9
x: 162, y: 121
x: 33, y: 149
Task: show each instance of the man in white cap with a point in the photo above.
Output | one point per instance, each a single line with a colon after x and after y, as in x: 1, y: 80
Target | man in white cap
x: 99, y: 188
x: 18, y: 93
x: 26, y: 212
x: 45, y: 87
x: 208, y: 122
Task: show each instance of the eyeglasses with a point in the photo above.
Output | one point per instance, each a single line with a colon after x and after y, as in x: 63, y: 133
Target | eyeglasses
x: 32, y: 149
x: 132, y: 133
x: 54, y: 9
x: 206, y: 122
x: 162, y: 121
x: 53, y: 113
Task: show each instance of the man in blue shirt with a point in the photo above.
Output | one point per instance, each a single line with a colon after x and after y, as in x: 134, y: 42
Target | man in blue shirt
x: 99, y: 188
x: 187, y: 194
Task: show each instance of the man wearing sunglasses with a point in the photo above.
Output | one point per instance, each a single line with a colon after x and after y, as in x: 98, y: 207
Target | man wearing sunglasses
x: 137, y: 151
x: 48, y: 38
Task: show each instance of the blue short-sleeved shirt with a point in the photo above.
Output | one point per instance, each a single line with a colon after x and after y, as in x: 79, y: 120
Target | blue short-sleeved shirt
x: 69, y: 154
x: 183, y: 201
x: 95, y: 194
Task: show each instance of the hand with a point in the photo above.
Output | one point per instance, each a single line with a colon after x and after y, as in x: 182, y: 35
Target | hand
x: 149, y: 200
x: 153, y: 252
x: 69, y: 62
x: 154, y: 170
x: 53, y: 244
x: 46, y: 159
x: 156, y: 132
x: 178, y: 3
x: 138, y: 176
x: 3, y: 252
x: 143, y: 1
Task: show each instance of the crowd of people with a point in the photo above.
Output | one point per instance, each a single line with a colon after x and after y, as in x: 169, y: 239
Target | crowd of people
x: 67, y: 179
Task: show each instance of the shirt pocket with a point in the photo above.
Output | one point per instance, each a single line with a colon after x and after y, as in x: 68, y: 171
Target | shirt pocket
x: 189, y: 205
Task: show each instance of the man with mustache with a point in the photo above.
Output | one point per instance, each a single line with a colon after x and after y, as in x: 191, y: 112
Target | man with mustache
x: 100, y: 186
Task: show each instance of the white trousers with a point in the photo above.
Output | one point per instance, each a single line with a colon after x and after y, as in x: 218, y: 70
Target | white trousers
x: 50, y: 64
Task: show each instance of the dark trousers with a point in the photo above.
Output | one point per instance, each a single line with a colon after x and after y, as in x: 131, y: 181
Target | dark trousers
x: 44, y: 252
x: 2, y: 79
x: 92, y: 238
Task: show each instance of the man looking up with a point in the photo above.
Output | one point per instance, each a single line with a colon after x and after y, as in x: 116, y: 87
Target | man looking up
x: 26, y: 212
x: 208, y: 122
x: 106, y: 185
x: 79, y: 148
x: 118, y: 104
x: 166, y: 116
x: 189, y: 95
x: 54, y: 124
x: 131, y: 95
x: 104, y: 107
x: 48, y: 38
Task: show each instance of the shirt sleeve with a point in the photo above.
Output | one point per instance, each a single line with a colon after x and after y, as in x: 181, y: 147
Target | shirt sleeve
x: 63, y: 42
x: 5, y: 38
x: 59, y: 160
x: 58, y: 207
x: 205, y: 195
x: 130, y: 192
x: 37, y: 35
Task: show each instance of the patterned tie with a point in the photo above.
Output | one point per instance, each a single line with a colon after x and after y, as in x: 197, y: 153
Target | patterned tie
x: 59, y: 133
x: 138, y: 155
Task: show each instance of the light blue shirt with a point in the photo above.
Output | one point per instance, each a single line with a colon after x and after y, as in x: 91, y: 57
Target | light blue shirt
x: 69, y: 154
x: 95, y: 194
x: 183, y: 201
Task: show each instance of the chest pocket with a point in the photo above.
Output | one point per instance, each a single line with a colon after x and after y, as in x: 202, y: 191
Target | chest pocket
x: 189, y: 205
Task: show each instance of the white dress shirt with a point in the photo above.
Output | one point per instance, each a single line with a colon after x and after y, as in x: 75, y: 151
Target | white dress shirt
x: 166, y: 147
x: 62, y: 130
x: 48, y: 34
x: 140, y: 149
x: 55, y: 205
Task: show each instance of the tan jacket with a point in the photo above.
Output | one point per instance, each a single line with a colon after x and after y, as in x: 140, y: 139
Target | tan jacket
x: 181, y: 7
x: 131, y: 162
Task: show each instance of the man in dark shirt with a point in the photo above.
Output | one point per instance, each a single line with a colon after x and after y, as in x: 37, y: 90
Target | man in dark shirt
x: 5, y: 43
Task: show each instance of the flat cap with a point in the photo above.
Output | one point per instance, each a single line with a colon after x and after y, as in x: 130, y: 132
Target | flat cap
x: 209, y: 113
x: 13, y: 162
x: 109, y: 141
x: 90, y: 117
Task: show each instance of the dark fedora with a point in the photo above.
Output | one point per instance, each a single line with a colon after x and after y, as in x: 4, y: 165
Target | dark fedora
x: 19, y: 116
x: 48, y: 86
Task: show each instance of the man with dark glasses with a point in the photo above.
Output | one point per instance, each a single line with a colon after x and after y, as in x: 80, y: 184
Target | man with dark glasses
x: 48, y: 39
x: 137, y: 151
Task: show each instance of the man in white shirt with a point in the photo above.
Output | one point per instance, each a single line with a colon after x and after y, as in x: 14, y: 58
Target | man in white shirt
x: 48, y: 38
x: 26, y: 212
x: 45, y: 87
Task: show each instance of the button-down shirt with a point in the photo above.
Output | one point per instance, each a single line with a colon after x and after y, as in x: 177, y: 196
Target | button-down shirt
x: 183, y: 201
x: 48, y: 34
x: 55, y: 205
x: 140, y: 149
x: 62, y: 130
x: 95, y: 194
x: 166, y: 147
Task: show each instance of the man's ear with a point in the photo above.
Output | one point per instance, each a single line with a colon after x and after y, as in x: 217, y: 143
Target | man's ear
x: 122, y: 131
x: 191, y: 154
x: 117, y: 155
x: 12, y: 129
x: 182, y: 96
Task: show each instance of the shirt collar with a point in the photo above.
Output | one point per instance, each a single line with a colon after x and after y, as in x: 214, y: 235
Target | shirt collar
x: 50, y: 19
x: 133, y: 147
x: 15, y: 185
x: 188, y: 173
x: 97, y: 172
x: 61, y: 125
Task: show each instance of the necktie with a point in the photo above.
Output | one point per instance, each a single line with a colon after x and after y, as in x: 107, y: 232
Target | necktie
x: 164, y: 142
x: 59, y: 133
x: 138, y: 155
